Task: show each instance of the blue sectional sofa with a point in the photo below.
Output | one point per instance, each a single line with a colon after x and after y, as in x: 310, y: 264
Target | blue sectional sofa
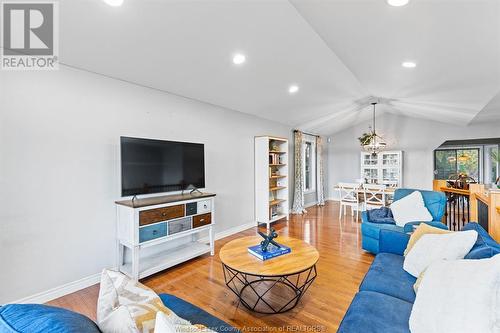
x: 370, y: 232
x: 35, y: 318
x: 385, y: 298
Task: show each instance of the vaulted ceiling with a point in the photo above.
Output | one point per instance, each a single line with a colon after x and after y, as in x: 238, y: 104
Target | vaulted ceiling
x: 341, y: 53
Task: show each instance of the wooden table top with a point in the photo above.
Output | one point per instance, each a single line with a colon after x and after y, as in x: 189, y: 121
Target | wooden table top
x: 235, y: 255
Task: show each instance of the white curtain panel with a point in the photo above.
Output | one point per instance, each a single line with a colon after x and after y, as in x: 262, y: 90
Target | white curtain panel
x: 298, y: 194
x: 320, y: 190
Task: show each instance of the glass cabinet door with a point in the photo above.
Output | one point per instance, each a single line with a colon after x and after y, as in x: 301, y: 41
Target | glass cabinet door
x: 390, y: 175
x: 371, y: 175
x: 390, y: 159
x: 369, y: 160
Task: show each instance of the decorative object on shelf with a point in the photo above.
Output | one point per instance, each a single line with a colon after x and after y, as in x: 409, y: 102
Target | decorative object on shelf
x: 372, y: 142
x: 268, y: 239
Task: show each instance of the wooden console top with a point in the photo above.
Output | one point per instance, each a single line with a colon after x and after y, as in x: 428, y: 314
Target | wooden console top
x: 138, y: 203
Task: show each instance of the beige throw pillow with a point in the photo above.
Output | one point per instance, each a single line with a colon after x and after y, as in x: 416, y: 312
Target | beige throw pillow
x: 128, y: 306
x: 421, y: 230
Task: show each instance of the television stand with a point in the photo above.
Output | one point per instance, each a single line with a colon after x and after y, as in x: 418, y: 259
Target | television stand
x: 150, y: 222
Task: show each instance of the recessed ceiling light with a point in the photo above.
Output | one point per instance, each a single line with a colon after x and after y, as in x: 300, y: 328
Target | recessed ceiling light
x: 293, y: 89
x: 398, y: 3
x: 409, y: 64
x: 114, y: 3
x: 239, y: 58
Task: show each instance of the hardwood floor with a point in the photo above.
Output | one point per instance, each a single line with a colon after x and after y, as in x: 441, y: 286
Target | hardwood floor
x: 341, y: 267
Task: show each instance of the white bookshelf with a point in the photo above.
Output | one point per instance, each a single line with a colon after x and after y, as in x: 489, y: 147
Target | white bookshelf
x: 384, y: 168
x: 271, y: 179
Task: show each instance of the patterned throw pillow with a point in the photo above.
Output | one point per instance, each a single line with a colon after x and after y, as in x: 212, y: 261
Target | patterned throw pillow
x: 128, y: 306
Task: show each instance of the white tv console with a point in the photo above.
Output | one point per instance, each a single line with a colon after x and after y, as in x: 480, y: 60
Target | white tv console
x: 150, y: 222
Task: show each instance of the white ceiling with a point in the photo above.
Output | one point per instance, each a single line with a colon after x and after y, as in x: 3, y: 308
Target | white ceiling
x: 340, y: 53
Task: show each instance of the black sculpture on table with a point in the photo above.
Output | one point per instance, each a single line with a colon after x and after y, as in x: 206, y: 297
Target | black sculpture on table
x: 268, y: 239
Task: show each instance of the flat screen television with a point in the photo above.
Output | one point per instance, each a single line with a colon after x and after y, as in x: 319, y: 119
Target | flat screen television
x: 155, y: 166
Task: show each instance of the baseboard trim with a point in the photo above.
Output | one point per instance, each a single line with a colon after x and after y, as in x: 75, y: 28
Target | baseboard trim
x: 311, y: 204
x: 234, y: 230
x: 231, y: 231
x: 65, y: 289
x: 71, y: 287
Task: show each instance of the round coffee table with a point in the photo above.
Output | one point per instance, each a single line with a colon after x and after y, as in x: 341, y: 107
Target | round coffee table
x: 272, y: 286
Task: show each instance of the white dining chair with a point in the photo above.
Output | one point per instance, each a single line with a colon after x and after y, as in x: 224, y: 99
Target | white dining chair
x: 374, y: 196
x: 349, y: 196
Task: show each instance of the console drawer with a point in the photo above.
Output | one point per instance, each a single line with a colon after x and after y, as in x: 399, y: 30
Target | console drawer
x: 179, y: 225
x: 201, y: 220
x: 160, y: 214
x: 204, y: 206
x: 191, y: 208
x: 152, y: 232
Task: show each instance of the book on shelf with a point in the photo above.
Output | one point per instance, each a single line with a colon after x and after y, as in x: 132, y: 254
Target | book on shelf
x: 275, y: 158
x: 272, y: 251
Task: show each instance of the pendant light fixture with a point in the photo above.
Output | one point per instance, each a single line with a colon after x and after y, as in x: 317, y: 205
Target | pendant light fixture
x: 372, y: 142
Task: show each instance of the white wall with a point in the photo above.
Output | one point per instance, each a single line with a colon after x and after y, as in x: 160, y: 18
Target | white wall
x: 59, y: 135
x: 416, y: 137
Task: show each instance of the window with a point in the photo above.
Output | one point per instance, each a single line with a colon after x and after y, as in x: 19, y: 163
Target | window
x: 309, y: 164
x: 450, y: 162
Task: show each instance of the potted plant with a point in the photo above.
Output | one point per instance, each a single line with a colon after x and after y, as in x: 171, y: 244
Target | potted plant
x: 366, y: 138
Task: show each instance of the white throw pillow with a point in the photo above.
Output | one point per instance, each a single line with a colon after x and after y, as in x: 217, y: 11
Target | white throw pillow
x: 431, y: 248
x: 458, y: 296
x: 410, y: 209
x: 164, y: 325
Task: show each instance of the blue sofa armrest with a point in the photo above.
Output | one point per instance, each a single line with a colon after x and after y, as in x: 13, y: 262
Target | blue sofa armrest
x: 393, y: 242
x: 437, y: 224
x: 364, y: 216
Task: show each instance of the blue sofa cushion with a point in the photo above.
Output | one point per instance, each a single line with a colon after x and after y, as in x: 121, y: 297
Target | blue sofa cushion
x: 387, y: 276
x: 37, y: 318
x: 194, y: 314
x: 372, y: 312
x: 393, y: 242
x: 485, y: 246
